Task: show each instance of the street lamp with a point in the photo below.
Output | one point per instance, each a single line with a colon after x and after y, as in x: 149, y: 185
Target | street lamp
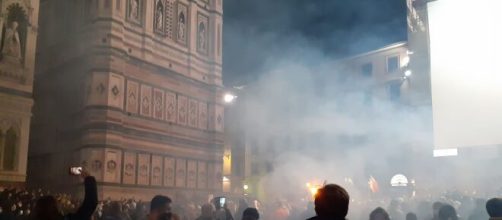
x: 408, y: 73
x: 229, y: 98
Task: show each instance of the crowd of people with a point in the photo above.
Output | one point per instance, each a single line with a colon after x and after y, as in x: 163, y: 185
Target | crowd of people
x: 331, y: 203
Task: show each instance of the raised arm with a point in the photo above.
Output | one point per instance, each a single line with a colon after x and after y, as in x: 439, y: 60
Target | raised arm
x: 90, y: 199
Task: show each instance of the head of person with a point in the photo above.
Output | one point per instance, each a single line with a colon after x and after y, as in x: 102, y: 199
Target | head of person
x: 332, y: 201
x: 47, y: 208
x: 207, y: 210
x: 411, y: 216
x: 250, y: 214
x: 160, y: 205
x: 115, y: 208
x: 165, y: 216
x: 435, y: 208
x: 447, y: 212
x: 217, y: 202
x: 494, y: 207
x: 379, y: 214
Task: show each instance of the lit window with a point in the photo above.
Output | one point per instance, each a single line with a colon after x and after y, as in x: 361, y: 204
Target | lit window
x: 392, y: 64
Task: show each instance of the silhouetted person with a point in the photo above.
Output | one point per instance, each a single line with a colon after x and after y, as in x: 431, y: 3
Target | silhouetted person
x: 411, y: 216
x: 47, y: 208
x: 435, y: 210
x: 379, y: 214
x: 221, y: 212
x: 206, y: 212
x: 165, y: 216
x: 394, y: 210
x: 140, y: 212
x: 243, y: 205
x: 479, y: 212
x: 158, y: 206
x: 447, y: 212
x: 114, y: 212
x: 331, y: 203
x: 494, y: 208
x: 309, y: 211
x: 250, y: 214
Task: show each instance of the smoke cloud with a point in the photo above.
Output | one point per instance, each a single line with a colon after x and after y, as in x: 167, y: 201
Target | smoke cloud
x: 311, y: 124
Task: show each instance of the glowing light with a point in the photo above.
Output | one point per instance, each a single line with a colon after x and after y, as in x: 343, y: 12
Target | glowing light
x: 313, y: 190
x: 225, y: 179
x: 399, y: 180
x: 229, y: 98
x: 409, y: 52
x: 246, y: 187
x: 405, y: 61
x: 407, y: 73
x: 446, y: 152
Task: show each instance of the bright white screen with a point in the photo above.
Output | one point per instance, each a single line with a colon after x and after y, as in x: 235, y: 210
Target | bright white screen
x: 466, y: 73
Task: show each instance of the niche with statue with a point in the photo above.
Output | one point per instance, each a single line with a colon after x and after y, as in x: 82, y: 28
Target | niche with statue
x: 13, y: 40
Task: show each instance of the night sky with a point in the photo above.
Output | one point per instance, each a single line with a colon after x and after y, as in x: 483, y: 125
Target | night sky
x: 256, y: 31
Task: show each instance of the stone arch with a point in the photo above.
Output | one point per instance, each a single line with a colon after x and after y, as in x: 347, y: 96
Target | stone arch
x: 11, y: 142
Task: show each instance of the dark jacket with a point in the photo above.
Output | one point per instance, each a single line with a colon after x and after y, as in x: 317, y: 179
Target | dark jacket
x: 324, y: 218
x: 90, y: 201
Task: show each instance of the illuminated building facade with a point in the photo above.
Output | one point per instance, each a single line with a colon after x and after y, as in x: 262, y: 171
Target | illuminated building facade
x: 18, y: 41
x: 131, y: 91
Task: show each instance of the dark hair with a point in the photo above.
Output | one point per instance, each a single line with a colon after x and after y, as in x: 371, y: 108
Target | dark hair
x: 158, y: 201
x: 494, y: 207
x: 251, y: 212
x: 165, y: 216
x: 379, y: 210
x: 437, y: 205
x: 332, y: 201
x: 47, y: 208
x: 411, y: 216
x: 447, y: 212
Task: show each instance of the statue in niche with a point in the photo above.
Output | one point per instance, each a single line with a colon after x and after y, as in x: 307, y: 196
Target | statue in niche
x: 14, y: 33
x: 202, y: 37
x: 181, y: 27
x: 159, y: 16
x: 134, y: 9
x: 11, y: 50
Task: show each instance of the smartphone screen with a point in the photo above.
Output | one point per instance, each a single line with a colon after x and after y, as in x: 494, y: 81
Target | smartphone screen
x: 222, y: 201
x: 75, y: 171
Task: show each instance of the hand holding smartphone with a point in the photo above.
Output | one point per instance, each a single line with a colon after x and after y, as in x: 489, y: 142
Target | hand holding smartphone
x: 76, y: 171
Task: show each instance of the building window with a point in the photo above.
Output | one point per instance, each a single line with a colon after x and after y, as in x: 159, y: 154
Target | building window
x: 367, y: 70
x: 395, y: 91
x: 392, y: 64
x: 8, y: 146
